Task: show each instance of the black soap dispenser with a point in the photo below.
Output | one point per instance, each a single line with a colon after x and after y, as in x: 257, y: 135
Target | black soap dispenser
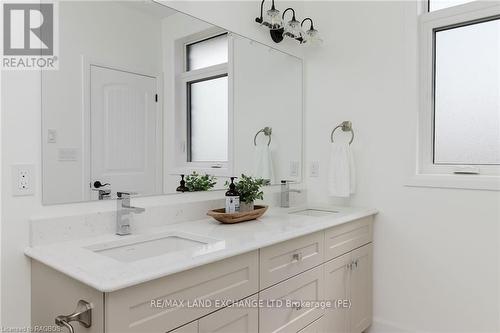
x: 232, y: 198
x: 182, y: 187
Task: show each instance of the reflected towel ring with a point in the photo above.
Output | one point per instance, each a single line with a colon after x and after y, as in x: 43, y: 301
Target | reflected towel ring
x: 346, y: 126
x: 267, y: 132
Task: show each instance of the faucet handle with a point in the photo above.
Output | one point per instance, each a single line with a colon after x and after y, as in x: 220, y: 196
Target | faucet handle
x: 125, y: 194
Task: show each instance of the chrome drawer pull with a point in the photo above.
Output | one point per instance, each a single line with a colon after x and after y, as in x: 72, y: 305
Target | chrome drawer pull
x: 297, y: 257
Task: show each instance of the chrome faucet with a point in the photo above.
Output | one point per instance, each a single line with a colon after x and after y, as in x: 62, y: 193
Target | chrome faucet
x: 285, y: 193
x: 123, y: 213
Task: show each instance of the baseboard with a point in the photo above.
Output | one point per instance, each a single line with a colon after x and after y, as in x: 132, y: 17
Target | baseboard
x: 380, y: 325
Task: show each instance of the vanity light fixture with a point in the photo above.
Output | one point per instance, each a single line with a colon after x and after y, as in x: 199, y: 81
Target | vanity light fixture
x: 310, y: 37
x: 273, y: 18
x: 291, y: 29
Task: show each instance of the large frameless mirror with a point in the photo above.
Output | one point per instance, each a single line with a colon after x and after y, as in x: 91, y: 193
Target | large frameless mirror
x: 145, y: 94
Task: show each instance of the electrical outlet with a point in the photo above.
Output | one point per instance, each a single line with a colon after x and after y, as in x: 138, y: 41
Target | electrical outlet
x: 23, y: 182
x: 314, y: 169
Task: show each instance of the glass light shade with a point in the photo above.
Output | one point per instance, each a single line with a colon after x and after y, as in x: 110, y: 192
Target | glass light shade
x: 273, y: 19
x: 292, y: 29
x: 312, y: 38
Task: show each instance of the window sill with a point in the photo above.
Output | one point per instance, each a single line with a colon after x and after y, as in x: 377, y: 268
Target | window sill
x: 218, y: 172
x: 465, y: 182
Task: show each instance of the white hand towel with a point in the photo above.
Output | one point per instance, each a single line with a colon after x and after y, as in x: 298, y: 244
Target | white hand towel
x: 263, y: 163
x: 341, y: 173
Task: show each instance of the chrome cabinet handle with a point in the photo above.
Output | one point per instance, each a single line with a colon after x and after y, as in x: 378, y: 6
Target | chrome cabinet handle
x: 82, y: 315
x: 297, y: 257
x: 352, y: 265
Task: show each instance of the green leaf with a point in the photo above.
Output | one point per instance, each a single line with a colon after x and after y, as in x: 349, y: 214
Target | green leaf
x: 250, y: 188
x: 196, y: 182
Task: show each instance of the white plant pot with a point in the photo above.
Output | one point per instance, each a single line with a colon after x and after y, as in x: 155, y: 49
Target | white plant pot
x: 246, y: 206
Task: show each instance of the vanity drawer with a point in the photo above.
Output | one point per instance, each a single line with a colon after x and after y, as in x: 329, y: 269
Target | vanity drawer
x: 281, y: 261
x: 240, y: 319
x: 131, y: 310
x: 314, y: 327
x: 307, y: 286
x: 347, y: 237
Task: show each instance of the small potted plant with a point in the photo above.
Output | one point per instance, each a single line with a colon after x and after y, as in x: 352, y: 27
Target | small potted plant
x: 250, y: 190
x: 196, y: 182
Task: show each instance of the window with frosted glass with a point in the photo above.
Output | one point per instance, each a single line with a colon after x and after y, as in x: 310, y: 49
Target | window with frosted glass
x: 467, y: 94
x: 208, y: 52
x: 208, y: 120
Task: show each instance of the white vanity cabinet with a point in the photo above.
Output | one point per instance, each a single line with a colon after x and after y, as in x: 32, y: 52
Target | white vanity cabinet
x: 333, y: 264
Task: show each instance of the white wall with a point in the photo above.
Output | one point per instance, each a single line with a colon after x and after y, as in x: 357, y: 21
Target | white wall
x: 119, y: 36
x: 436, y: 250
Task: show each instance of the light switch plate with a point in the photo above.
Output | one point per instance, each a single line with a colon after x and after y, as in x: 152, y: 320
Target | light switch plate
x: 314, y: 169
x: 23, y: 179
x: 294, y: 169
x: 51, y: 136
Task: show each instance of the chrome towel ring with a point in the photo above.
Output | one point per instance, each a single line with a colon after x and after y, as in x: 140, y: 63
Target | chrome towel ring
x: 267, y: 132
x: 346, y: 126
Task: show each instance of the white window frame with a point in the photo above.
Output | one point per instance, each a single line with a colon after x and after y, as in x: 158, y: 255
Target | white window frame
x: 428, y: 173
x: 183, y: 77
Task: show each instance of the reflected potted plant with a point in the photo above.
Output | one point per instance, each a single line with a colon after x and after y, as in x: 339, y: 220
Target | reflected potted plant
x: 196, y: 182
x: 250, y: 190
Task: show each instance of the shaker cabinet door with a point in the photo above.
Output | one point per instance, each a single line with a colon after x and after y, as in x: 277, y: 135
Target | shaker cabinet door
x: 361, y: 289
x: 337, y: 275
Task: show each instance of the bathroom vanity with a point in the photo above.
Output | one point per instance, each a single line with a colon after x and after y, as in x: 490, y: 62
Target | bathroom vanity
x: 202, y: 276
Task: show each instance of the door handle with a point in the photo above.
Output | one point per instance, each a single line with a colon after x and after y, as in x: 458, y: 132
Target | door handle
x: 98, y: 184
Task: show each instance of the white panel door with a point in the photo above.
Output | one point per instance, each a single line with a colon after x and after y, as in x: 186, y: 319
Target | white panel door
x: 125, y: 139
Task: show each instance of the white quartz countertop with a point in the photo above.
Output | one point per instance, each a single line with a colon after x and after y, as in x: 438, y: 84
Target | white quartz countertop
x: 75, y: 259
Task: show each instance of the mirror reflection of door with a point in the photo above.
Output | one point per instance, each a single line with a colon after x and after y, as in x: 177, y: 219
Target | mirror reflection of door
x: 124, y: 135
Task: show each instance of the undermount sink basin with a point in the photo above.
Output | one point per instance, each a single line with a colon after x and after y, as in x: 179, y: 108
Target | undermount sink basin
x: 148, y: 246
x: 314, y: 212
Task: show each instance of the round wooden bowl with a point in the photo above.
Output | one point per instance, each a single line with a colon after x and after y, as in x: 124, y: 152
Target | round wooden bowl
x: 223, y: 217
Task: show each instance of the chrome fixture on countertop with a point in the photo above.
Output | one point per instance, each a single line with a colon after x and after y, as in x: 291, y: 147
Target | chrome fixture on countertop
x: 124, y: 213
x: 285, y: 194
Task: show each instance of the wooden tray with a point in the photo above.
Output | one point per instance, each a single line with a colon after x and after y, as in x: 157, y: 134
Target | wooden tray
x: 223, y: 217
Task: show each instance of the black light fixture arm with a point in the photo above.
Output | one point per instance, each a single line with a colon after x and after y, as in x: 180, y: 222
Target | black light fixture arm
x: 293, y: 13
x: 261, y: 18
x: 307, y: 19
